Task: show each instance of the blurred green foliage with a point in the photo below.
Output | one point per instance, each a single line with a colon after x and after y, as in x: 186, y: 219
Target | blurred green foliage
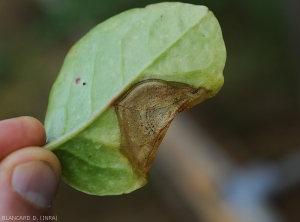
x: 261, y: 82
x: 4, y: 64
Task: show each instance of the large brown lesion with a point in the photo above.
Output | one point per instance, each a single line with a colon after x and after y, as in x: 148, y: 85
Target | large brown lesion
x: 145, y: 113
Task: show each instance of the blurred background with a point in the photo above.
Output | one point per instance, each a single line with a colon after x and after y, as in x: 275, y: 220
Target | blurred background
x: 234, y: 158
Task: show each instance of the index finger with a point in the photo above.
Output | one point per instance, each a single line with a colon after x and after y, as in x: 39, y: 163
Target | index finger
x: 20, y: 132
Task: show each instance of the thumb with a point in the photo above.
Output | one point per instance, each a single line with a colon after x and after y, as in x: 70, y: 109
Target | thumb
x: 29, y: 179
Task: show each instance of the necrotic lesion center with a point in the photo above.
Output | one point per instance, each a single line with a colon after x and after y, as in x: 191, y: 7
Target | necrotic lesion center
x: 145, y: 113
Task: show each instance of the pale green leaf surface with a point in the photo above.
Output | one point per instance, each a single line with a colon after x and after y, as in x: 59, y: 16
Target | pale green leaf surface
x: 168, y: 41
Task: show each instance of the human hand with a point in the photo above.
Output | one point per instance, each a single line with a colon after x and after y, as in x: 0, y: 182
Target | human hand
x: 29, y: 174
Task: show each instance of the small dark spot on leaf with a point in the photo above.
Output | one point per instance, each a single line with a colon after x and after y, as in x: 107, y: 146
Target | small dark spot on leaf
x: 77, y: 80
x: 84, y: 83
x: 195, y: 91
x: 161, y: 16
x: 90, y: 156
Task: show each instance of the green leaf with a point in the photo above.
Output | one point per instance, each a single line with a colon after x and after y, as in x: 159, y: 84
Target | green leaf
x: 120, y: 87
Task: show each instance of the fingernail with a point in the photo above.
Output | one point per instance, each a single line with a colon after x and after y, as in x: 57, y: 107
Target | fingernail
x: 36, y: 181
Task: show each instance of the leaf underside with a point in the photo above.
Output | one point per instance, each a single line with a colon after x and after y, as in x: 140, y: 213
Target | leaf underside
x: 120, y: 87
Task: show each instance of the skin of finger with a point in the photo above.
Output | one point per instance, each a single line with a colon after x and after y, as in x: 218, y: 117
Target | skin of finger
x: 20, y: 132
x: 11, y: 203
